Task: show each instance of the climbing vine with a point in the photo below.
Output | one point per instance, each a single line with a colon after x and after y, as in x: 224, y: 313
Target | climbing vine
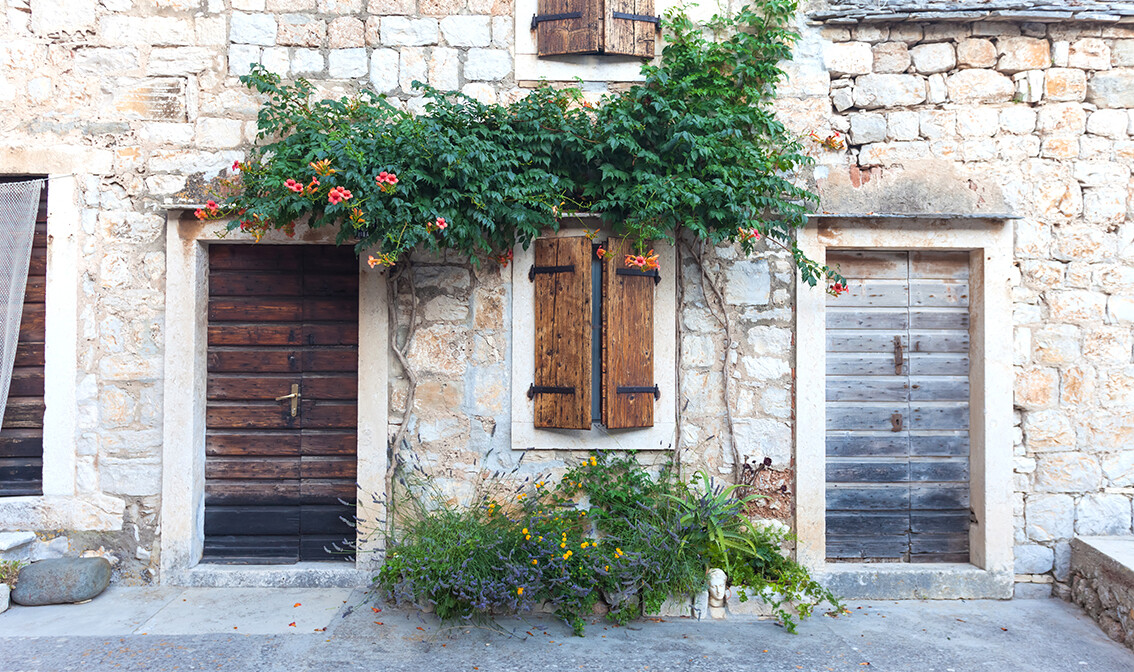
x: 695, y: 146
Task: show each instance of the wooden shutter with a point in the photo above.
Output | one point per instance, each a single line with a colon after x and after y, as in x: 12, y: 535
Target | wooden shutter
x: 627, y: 343
x: 626, y: 30
x: 562, y: 386
x: 577, y: 31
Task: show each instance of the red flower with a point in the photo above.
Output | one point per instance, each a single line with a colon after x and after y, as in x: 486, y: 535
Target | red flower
x: 212, y: 206
x: 236, y: 165
x: 838, y: 288
x: 383, y: 259
x: 601, y: 252
x: 294, y: 186
x: 441, y: 224
x: 391, y: 179
x: 503, y: 259
x: 200, y: 214
x: 339, y: 194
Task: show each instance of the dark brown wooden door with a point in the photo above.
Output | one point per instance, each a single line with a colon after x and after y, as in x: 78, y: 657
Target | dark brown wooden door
x: 280, y: 316
x: 898, y: 408
x: 21, y: 439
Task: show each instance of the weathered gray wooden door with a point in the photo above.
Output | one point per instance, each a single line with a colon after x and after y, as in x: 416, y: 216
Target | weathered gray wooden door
x: 898, y: 408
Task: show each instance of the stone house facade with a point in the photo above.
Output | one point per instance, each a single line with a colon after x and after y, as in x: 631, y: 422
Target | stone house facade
x: 1003, y: 133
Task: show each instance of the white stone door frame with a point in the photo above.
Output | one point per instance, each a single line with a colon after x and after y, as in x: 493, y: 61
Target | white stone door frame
x: 990, y: 572
x: 183, y: 452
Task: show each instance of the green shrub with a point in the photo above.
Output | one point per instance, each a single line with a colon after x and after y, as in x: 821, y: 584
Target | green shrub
x: 607, y: 528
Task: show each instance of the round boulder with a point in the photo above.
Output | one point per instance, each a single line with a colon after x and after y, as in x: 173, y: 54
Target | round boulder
x: 61, y: 581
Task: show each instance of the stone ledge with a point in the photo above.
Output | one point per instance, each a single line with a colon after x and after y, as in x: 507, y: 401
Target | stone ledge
x: 1112, y: 556
x: 1102, y: 583
x: 930, y: 581
x: 93, y: 511
x: 301, y: 575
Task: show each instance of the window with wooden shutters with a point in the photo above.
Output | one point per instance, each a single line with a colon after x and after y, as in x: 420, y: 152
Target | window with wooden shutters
x: 617, y: 27
x: 564, y: 375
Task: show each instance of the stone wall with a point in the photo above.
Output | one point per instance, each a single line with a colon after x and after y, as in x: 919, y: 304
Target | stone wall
x: 140, y: 100
x: 1027, y: 118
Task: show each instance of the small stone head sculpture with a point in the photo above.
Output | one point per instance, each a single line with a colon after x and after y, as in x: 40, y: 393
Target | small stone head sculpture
x: 717, y: 582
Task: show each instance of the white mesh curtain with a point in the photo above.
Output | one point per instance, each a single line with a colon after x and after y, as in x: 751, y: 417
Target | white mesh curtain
x: 19, y: 202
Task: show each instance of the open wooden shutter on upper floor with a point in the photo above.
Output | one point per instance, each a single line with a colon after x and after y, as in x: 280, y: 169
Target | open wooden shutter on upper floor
x: 620, y: 27
x: 630, y: 28
x: 628, y: 387
x: 562, y: 386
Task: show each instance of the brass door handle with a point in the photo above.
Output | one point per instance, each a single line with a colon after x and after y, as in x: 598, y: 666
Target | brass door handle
x: 294, y: 396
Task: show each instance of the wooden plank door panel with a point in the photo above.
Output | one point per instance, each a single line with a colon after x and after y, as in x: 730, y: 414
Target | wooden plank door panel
x: 897, y: 392
x: 275, y: 482
x: 21, y: 437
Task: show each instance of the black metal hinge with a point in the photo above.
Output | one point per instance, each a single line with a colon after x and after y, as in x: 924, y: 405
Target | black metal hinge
x: 540, y: 18
x: 548, y: 389
x: 640, y: 274
x: 629, y: 389
x: 538, y: 270
x: 645, y: 18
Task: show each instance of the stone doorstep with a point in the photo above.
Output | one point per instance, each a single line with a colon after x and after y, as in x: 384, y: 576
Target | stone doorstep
x: 300, y: 575
x: 902, y: 581
x: 1104, y: 558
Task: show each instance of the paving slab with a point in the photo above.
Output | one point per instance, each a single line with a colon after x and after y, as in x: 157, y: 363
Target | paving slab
x: 1041, y: 635
x: 252, y: 611
x: 118, y: 610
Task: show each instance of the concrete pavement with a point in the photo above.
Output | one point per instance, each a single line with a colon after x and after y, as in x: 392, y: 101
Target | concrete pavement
x: 338, y: 630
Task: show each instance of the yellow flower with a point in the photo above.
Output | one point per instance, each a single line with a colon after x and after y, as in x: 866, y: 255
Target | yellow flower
x: 520, y: 590
x: 606, y: 568
x: 520, y: 496
x: 617, y: 551
x: 524, y: 531
x: 539, y: 485
x: 527, y: 537
x: 584, y: 545
x: 563, y: 545
x: 541, y: 538
x: 593, y: 461
x: 535, y: 562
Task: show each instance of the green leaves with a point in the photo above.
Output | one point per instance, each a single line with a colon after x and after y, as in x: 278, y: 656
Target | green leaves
x: 696, y: 145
